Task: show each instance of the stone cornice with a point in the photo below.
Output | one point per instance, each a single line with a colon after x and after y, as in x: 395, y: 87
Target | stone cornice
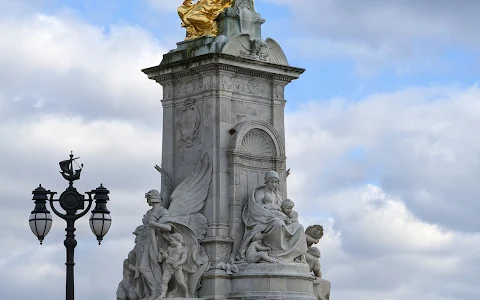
x: 222, y: 62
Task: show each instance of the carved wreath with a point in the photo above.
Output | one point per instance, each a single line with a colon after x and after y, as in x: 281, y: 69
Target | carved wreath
x: 188, y: 123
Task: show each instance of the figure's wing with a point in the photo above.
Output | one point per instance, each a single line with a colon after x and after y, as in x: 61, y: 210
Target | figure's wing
x: 167, y: 187
x: 276, y: 54
x: 237, y: 44
x: 189, y: 196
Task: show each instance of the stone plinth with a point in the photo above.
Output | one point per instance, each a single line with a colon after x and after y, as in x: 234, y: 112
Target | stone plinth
x: 272, y: 282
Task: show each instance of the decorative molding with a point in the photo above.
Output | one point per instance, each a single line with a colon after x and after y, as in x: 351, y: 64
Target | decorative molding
x: 220, y: 61
x: 257, y: 142
x: 243, y: 128
x: 209, y: 82
x: 168, y: 91
x: 278, y: 91
x: 188, y: 87
x: 244, y: 86
x: 218, y: 249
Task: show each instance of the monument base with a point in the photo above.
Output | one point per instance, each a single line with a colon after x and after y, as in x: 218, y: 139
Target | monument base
x: 272, y: 282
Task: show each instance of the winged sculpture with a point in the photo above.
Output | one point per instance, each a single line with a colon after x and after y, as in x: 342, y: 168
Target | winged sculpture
x: 168, y: 260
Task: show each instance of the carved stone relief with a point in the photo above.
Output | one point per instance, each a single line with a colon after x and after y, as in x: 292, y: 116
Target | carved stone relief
x: 188, y: 123
x: 243, y: 86
x: 278, y: 92
x: 226, y: 82
x: 258, y: 50
x: 244, y: 45
x: 208, y: 82
x: 257, y: 142
x: 219, y: 253
x: 189, y: 87
x: 246, y: 14
x: 167, y: 91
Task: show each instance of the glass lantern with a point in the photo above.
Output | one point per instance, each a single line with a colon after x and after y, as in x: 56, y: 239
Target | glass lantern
x: 100, y: 220
x: 40, y: 220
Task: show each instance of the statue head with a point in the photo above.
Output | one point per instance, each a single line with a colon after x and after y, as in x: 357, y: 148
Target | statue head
x: 288, y: 203
x: 287, y: 206
x: 272, y: 174
x: 153, y: 196
x: 131, y: 257
x: 176, y: 237
x: 315, y: 231
x: 272, y: 179
x: 137, y: 232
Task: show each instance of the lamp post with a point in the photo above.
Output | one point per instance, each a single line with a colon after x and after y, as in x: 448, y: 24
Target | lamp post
x: 70, y: 201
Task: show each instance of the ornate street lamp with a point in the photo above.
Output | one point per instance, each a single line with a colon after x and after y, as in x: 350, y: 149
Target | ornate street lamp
x: 70, y: 201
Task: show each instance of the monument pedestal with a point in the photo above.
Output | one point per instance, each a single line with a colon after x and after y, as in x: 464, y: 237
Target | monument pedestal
x: 272, y: 282
x: 260, y: 281
x: 223, y: 134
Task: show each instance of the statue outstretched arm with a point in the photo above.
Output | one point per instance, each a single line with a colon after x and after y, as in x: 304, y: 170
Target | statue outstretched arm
x: 159, y: 226
x: 263, y: 248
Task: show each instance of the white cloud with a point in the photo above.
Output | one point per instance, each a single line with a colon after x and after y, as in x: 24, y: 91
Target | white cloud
x: 406, y: 35
x: 381, y: 220
x: 402, y: 215
x: 375, y: 246
x: 417, y: 142
x: 73, y: 66
x: 398, y: 219
x: 165, y: 5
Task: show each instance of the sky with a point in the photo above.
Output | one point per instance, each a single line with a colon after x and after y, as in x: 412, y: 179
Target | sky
x: 381, y: 137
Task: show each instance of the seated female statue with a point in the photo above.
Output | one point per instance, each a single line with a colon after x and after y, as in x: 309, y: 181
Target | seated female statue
x: 285, y: 239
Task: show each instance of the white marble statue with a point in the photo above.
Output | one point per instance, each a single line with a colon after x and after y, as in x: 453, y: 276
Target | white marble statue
x: 287, y: 209
x: 285, y: 239
x: 175, y: 256
x: 321, y: 286
x: 126, y: 288
x: 230, y: 267
x: 246, y: 13
x: 257, y: 252
x: 167, y: 243
x: 268, y: 204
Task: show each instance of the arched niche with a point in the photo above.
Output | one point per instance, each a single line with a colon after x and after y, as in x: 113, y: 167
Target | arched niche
x: 256, y: 147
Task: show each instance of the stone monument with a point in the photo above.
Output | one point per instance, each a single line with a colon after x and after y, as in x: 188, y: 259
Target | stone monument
x: 222, y: 226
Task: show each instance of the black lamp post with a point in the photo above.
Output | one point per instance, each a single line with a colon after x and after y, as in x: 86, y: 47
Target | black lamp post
x: 70, y: 201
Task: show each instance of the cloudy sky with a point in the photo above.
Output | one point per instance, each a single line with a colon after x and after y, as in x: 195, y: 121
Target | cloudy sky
x: 382, y: 137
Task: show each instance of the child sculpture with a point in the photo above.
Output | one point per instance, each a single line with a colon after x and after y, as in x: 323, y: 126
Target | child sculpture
x: 268, y: 203
x: 126, y: 288
x: 256, y: 251
x: 287, y: 208
x: 175, y: 256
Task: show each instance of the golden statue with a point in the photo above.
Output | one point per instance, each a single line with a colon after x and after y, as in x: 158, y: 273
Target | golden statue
x: 199, y: 18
